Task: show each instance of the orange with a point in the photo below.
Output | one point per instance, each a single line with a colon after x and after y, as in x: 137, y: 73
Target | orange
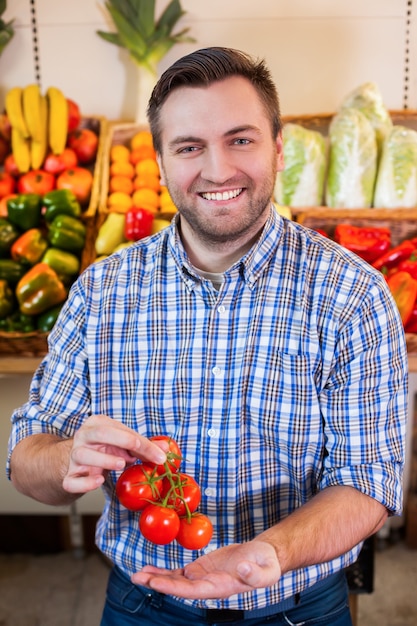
x: 143, y: 152
x: 141, y: 138
x: 149, y: 181
x: 121, y: 183
x: 119, y: 152
x: 118, y: 198
x: 165, y: 198
x: 122, y: 168
x: 146, y: 199
x: 147, y: 166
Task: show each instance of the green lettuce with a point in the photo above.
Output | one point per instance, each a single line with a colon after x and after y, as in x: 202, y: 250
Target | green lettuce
x: 352, y: 161
x: 396, y: 184
x: 301, y: 183
x: 368, y: 100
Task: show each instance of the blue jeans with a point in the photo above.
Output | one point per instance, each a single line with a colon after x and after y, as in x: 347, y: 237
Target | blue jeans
x: 131, y: 605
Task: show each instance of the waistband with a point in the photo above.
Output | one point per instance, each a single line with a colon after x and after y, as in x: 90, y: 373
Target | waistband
x: 132, y: 596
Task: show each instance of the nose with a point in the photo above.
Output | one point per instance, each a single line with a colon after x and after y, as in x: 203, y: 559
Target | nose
x: 217, y: 165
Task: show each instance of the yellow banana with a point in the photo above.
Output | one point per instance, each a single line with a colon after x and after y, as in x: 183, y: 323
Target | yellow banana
x: 58, y: 119
x: 38, y: 149
x: 32, y: 111
x: 14, y: 109
x: 21, y: 150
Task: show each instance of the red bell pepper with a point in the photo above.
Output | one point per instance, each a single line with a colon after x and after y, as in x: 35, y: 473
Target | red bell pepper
x: 411, y: 325
x: 409, y: 265
x: 395, y: 255
x: 138, y: 223
x: 367, y: 242
x: 404, y: 290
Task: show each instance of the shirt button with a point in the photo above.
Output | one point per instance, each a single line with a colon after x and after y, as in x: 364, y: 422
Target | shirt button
x: 221, y: 308
x: 216, y: 371
x: 209, y: 492
x: 212, y: 432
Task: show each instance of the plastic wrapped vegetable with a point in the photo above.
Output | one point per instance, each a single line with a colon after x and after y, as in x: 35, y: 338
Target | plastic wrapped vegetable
x: 396, y: 184
x: 368, y: 100
x: 352, y: 161
x: 301, y: 183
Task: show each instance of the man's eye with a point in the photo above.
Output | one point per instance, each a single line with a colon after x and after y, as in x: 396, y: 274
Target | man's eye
x: 242, y: 142
x: 186, y: 149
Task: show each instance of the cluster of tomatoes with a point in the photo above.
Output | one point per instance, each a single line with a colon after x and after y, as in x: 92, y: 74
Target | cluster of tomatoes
x: 167, y: 500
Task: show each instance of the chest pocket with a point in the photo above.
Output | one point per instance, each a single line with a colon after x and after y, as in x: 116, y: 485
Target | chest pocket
x: 281, y: 406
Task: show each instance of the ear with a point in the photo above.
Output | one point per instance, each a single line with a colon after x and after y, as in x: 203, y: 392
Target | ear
x: 280, y: 152
x: 161, y: 169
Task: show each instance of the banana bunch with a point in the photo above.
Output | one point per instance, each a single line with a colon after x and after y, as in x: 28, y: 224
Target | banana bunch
x: 38, y: 123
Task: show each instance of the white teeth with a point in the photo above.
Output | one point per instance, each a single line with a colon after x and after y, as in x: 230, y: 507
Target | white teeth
x: 218, y: 195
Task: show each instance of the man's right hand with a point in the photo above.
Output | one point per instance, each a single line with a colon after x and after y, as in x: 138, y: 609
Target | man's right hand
x: 102, y: 444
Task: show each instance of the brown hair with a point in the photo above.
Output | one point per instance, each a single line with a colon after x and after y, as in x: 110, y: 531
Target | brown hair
x: 209, y: 65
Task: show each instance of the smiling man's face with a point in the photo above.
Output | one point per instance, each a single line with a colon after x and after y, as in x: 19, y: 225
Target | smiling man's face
x: 219, y: 159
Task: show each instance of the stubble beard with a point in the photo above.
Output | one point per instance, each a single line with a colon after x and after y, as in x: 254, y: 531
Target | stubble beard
x: 220, y: 229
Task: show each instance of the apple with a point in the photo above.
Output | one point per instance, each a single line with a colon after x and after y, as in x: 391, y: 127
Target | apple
x: 84, y: 142
x: 58, y: 163
x: 5, y: 127
x: 74, y: 115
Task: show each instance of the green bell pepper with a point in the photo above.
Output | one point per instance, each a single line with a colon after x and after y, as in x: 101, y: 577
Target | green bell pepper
x: 29, y: 247
x: 12, y: 271
x: 8, y: 235
x: 7, y: 301
x: 62, y: 261
x: 39, y: 290
x: 60, y: 202
x: 18, y: 322
x: 24, y: 211
x: 68, y: 233
x: 46, y: 321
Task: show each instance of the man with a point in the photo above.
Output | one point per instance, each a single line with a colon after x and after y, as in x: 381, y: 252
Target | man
x: 274, y: 358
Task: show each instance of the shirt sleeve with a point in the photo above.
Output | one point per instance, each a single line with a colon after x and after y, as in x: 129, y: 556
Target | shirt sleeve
x: 65, y: 369
x: 364, y: 401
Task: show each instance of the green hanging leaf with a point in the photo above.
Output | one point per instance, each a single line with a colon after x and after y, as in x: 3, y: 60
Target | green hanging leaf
x: 146, y: 40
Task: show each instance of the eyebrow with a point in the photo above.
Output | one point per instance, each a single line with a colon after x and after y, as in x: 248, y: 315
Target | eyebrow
x: 230, y: 133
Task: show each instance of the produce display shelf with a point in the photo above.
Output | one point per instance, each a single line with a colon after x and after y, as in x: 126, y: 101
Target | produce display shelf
x: 33, y: 345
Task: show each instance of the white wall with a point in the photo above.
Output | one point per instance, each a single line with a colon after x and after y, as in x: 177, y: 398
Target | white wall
x: 318, y: 51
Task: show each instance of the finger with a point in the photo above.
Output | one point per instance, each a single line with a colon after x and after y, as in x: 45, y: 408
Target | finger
x: 82, y: 484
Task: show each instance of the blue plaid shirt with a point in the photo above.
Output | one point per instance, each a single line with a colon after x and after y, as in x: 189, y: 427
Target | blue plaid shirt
x: 290, y: 379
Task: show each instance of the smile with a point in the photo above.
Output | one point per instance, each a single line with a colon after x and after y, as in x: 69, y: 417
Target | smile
x: 222, y: 195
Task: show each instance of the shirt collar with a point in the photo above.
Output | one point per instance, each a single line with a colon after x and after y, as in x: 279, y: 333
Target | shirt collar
x: 250, y: 266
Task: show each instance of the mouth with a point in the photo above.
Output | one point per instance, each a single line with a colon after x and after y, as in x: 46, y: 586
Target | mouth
x: 220, y: 196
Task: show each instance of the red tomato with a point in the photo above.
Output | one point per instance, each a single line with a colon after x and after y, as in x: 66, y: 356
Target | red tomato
x: 84, y: 142
x: 74, y: 115
x: 159, y: 524
x: 7, y: 184
x: 174, y: 457
x: 183, y: 493
x: 79, y: 180
x: 36, y: 181
x: 137, y: 486
x: 58, y: 163
x: 10, y: 166
x: 195, y: 532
